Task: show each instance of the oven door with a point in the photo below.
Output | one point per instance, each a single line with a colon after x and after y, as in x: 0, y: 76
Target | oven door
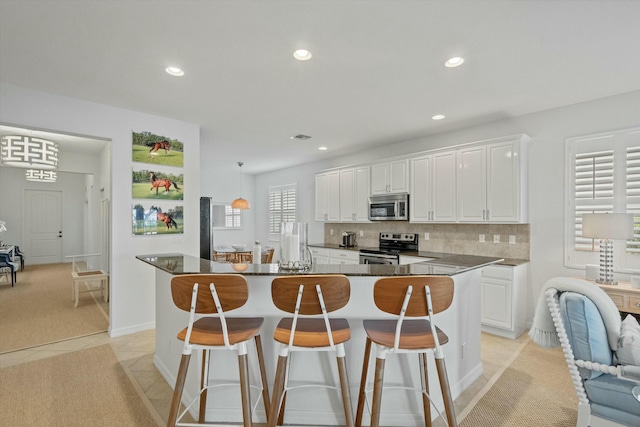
x: 378, y: 259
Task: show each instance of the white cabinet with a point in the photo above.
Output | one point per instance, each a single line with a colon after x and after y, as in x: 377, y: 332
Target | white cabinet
x: 390, y: 177
x: 334, y: 256
x: 491, y: 182
x: 328, y: 196
x: 433, y: 188
x: 338, y: 256
x: 354, y: 194
x: 503, y: 300
x: 319, y: 255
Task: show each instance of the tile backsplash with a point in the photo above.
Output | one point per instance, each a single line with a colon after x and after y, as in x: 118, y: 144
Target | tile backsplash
x: 450, y: 238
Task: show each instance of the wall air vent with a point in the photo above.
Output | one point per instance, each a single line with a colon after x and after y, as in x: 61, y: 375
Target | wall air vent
x: 301, y: 137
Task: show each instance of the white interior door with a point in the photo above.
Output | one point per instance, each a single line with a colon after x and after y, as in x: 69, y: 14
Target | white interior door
x: 43, y: 226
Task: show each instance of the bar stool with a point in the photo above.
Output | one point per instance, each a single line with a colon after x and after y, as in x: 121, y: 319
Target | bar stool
x: 411, y: 296
x: 307, y: 295
x: 210, y: 297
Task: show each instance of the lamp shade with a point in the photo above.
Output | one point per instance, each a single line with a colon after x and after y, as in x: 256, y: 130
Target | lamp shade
x: 28, y: 152
x: 240, y: 203
x: 40, y: 175
x: 614, y: 226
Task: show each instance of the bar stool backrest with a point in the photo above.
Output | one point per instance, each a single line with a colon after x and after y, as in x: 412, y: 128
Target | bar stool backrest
x: 335, y: 291
x: 389, y: 294
x: 232, y: 290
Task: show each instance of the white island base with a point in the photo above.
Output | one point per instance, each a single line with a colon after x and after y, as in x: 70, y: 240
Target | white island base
x: 321, y: 406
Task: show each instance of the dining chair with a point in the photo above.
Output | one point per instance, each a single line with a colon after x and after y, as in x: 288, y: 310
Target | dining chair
x: 6, y: 263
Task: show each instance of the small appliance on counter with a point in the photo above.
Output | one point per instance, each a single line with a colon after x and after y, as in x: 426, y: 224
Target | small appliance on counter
x: 349, y: 239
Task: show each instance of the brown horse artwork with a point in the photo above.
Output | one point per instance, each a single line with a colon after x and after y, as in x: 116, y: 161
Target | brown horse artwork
x: 166, y: 218
x: 161, y: 182
x: 164, y: 145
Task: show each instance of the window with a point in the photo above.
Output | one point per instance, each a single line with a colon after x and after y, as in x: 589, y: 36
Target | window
x: 282, y: 208
x: 231, y: 217
x: 603, y: 176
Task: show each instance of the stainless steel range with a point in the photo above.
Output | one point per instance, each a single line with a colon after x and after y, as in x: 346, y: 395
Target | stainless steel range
x: 390, y: 246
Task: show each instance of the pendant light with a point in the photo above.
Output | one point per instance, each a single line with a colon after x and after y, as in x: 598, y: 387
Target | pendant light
x: 240, y: 203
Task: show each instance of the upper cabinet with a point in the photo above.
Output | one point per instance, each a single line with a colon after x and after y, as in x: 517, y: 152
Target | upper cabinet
x: 354, y: 194
x: 390, y: 177
x: 433, y: 188
x: 491, y: 182
x: 328, y: 196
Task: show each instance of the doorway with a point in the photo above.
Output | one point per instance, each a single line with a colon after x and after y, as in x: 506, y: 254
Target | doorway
x: 43, y: 226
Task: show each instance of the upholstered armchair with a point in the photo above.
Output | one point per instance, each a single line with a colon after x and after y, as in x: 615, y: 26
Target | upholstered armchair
x: 602, y: 352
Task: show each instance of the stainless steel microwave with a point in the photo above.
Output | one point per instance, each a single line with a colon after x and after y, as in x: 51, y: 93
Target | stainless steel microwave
x: 389, y: 207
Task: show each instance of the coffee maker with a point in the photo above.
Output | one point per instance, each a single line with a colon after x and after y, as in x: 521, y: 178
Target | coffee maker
x: 349, y: 239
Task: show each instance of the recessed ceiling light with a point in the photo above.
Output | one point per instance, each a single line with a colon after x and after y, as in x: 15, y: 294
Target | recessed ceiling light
x: 454, y: 62
x: 174, y: 71
x: 438, y: 117
x: 300, y: 136
x: 302, y: 55
x: 322, y: 148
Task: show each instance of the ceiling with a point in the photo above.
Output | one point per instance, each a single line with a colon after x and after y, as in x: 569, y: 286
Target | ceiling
x: 377, y: 74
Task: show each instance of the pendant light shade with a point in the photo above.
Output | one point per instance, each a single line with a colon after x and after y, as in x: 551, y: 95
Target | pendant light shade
x: 38, y: 175
x: 240, y: 203
x: 28, y: 152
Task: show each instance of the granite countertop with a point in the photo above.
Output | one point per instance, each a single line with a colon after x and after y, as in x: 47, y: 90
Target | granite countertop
x: 435, y: 257
x: 178, y: 263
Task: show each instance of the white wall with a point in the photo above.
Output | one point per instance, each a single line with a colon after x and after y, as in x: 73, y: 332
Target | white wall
x: 547, y: 129
x: 132, y: 281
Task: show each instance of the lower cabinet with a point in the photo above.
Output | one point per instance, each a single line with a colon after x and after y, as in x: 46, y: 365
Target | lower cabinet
x: 503, y: 300
x: 334, y: 256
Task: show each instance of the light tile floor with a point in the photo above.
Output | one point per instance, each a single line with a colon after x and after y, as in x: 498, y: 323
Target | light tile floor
x: 135, y: 352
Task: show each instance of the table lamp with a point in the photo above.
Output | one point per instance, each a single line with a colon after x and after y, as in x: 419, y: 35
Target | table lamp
x: 607, y: 227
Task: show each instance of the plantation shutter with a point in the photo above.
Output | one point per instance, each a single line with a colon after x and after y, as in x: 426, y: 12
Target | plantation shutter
x: 282, y: 207
x: 231, y: 217
x: 632, y: 171
x: 593, y: 191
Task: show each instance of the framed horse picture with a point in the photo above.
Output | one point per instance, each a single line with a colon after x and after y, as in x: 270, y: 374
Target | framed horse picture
x: 148, y: 147
x: 155, y: 218
x: 157, y: 183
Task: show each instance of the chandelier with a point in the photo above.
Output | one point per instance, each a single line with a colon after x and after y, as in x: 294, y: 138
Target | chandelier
x: 28, y: 152
x: 40, y: 175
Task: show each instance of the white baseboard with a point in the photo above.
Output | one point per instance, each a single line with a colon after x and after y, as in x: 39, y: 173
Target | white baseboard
x: 131, y: 329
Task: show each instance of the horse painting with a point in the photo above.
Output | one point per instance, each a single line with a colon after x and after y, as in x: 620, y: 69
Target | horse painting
x: 169, y: 222
x: 161, y: 182
x: 165, y: 145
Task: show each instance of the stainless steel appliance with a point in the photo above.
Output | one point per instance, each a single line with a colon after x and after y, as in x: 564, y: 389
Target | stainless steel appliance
x: 389, y: 207
x: 348, y: 239
x: 390, y: 246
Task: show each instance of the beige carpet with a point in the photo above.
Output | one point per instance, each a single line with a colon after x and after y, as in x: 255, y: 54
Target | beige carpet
x: 39, y: 310
x: 68, y: 390
x: 535, y: 390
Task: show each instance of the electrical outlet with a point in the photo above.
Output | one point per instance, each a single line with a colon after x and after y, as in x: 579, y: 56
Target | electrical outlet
x: 512, y: 240
x: 496, y: 238
x: 331, y: 232
x: 481, y: 238
x: 426, y: 236
x: 361, y: 233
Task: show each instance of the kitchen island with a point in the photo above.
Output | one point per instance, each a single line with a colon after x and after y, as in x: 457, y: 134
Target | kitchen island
x: 321, y: 406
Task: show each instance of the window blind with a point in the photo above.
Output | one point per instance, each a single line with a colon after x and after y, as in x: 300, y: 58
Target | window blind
x: 282, y: 207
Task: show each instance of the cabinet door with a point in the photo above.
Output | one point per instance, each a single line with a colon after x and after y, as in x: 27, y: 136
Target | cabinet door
x: 361, y: 194
x: 333, y: 196
x: 503, y: 184
x: 444, y: 187
x: 496, y: 303
x: 420, y: 202
x: 379, y: 178
x: 321, y: 197
x: 399, y: 176
x: 347, y: 198
x: 472, y: 187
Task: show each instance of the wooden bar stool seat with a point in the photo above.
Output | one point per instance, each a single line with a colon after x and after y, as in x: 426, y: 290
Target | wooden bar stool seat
x: 309, y: 295
x: 211, y: 296
x: 407, y: 297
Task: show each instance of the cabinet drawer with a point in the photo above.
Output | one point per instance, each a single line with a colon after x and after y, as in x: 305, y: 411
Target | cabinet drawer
x: 495, y: 272
x: 634, y: 304
x: 346, y: 255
